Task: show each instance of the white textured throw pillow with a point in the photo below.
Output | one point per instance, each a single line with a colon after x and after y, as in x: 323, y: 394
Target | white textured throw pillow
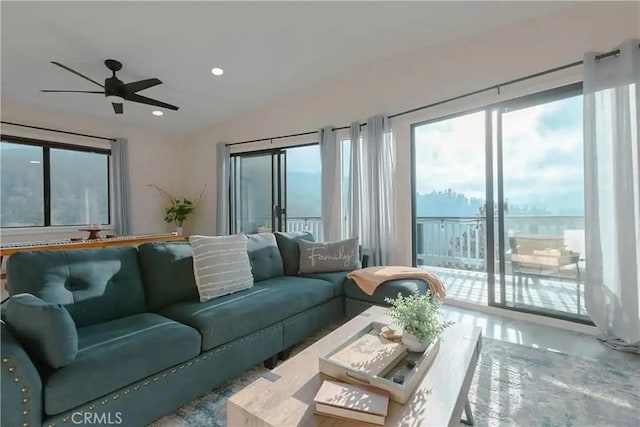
x: 221, y: 265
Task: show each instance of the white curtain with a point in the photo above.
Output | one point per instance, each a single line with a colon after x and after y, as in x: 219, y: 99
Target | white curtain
x: 377, y: 211
x: 612, y: 193
x: 223, y: 162
x: 330, y: 160
x: 353, y: 200
x: 121, y: 190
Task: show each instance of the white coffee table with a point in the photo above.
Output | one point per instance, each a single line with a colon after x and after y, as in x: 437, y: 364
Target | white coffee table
x: 284, y: 396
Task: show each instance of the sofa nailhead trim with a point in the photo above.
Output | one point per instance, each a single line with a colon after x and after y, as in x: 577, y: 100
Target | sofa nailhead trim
x: 23, y: 389
x: 65, y: 419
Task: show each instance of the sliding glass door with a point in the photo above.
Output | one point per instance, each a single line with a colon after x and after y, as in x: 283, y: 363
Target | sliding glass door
x: 498, y: 203
x: 541, y: 195
x: 449, y: 202
x: 257, y: 203
x: 276, y: 190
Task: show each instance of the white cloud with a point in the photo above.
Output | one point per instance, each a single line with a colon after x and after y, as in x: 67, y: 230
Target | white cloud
x: 539, y: 160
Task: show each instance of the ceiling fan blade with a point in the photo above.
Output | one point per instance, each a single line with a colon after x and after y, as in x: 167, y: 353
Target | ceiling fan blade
x: 141, y: 85
x: 117, y: 107
x: 73, y: 91
x: 144, y: 100
x: 76, y: 73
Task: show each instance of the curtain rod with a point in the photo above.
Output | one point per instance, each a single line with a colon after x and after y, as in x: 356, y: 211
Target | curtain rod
x: 444, y: 101
x: 56, y: 130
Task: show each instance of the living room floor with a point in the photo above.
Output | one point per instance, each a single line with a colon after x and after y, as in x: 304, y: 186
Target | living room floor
x: 536, y: 336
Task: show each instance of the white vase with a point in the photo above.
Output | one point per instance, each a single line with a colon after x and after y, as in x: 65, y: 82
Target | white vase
x: 179, y: 231
x: 413, y: 343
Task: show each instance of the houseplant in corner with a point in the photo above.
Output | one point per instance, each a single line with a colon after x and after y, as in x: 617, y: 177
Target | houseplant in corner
x: 419, y: 318
x: 178, y: 209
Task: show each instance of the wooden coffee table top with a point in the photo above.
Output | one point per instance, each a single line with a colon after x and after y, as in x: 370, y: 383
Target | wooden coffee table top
x: 284, y: 396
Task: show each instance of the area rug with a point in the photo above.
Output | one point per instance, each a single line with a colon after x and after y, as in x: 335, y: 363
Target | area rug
x: 513, y: 385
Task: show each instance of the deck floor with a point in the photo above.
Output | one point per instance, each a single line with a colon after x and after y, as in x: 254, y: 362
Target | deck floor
x: 547, y: 295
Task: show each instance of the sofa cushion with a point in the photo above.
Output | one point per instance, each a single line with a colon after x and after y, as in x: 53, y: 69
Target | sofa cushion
x: 221, y: 265
x: 264, y: 256
x: 290, y: 249
x: 117, y: 353
x: 46, y: 330
x: 167, y: 272
x: 388, y: 289
x: 94, y: 285
x: 233, y: 316
x: 336, y: 278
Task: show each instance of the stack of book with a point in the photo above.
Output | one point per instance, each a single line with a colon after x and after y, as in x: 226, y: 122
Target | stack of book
x: 351, y: 402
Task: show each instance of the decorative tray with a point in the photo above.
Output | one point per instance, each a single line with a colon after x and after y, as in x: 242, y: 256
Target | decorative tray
x: 366, y: 358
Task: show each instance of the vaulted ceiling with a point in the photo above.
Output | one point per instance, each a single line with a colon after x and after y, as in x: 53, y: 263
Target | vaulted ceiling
x: 268, y: 50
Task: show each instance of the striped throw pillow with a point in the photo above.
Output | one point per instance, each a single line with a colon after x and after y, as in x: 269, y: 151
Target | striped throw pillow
x: 221, y: 265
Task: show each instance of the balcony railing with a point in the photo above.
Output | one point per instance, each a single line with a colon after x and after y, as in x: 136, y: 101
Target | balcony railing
x: 459, y: 242
x: 311, y: 224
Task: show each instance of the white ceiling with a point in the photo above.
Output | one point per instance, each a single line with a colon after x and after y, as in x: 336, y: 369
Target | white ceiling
x: 268, y: 50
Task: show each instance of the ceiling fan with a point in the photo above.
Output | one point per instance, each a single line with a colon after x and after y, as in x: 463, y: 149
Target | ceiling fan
x: 116, y: 91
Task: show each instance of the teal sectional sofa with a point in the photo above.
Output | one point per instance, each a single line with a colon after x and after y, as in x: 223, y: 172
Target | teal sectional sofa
x: 146, y: 344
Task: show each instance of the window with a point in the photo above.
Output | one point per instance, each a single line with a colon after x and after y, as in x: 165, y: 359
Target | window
x: 51, y: 184
x: 21, y: 185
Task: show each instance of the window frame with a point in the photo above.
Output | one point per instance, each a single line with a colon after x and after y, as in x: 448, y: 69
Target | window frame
x: 46, y: 147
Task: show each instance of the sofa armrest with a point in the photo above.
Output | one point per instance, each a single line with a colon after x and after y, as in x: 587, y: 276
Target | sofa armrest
x: 20, y: 383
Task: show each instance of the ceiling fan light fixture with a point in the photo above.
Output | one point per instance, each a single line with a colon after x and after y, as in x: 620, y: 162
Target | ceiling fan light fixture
x: 116, y: 91
x: 157, y: 113
x: 115, y: 99
x: 217, y: 71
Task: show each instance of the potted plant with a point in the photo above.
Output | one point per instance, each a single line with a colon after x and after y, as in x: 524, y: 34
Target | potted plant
x: 419, y: 318
x: 178, y: 209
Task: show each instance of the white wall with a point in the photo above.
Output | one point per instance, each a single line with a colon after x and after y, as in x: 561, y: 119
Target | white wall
x: 422, y: 77
x: 154, y: 159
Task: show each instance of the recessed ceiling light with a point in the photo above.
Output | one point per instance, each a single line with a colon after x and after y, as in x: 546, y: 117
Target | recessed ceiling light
x: 157, y: 113
x: 217, y: 71
x: 35, y: 162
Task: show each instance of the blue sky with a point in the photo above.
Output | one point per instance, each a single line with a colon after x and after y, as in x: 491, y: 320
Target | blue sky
x: 542, y: 156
